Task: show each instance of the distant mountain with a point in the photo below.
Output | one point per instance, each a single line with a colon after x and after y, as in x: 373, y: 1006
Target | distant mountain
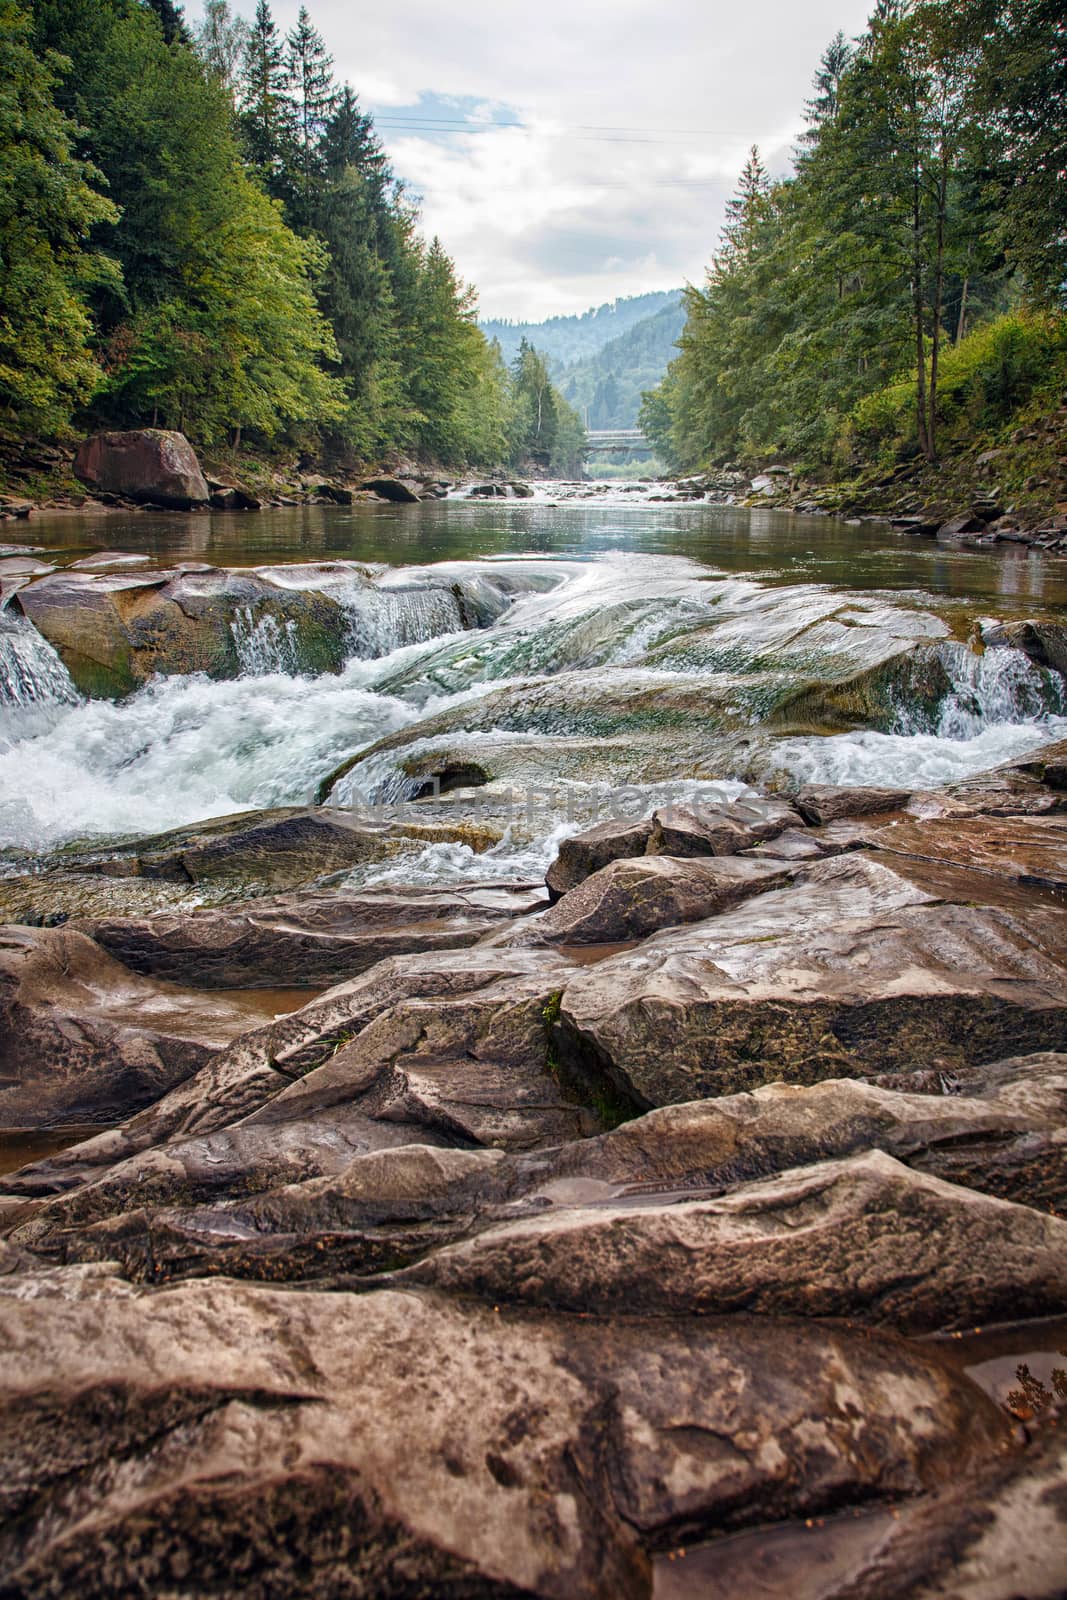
x: 606, y: 388
x: 564, y: 340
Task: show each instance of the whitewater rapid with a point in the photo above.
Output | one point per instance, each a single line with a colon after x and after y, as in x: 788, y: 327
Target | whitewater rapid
x: 184, y: 749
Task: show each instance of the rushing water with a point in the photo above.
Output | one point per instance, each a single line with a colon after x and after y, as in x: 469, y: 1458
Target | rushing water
x: 582, y: 647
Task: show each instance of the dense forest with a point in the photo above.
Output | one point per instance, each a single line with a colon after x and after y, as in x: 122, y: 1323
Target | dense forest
x: 905, y: 288
x: 199, y: 229
x: 607, y: 387
x: 565, y: 340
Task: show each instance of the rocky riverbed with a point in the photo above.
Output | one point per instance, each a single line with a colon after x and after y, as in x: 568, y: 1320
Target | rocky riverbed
x: 652, y: 1185
x: 571, y: 1229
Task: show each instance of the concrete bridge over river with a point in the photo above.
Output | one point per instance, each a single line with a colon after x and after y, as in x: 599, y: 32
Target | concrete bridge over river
x: 628, y: 442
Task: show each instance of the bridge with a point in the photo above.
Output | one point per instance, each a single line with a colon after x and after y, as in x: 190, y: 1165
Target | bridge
x: 618, y: 442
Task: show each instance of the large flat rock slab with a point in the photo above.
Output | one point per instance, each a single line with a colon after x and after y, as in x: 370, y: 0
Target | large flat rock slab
x: 286, y: 847
x: 854, y: 970
x: 866, y: 1238
x: 314, y: 938
x: 400, y: 1443
x: 1029, y: 850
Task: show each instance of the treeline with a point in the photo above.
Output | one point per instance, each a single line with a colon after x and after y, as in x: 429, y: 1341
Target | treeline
x: 909, y: 278
x: 199, y: 229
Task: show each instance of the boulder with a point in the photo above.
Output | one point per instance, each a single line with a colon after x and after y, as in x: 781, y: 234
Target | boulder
x: 148, y: 464
x: 1044, y: 642
x: 820, y: 803
x: 592, y: 849
x: 233, y: 497
x: 311, y: 938
x: 115, y: 630
x: 719, y: 830
x: 84, y: 1040
x: 964, y: 522
x: 674, y: 830
x: 866, y: 1238
x: 857, y: 969
x: 630, y: 899
x: 402, y: 491
x: 399, y: 1444
x: 1048, y: 765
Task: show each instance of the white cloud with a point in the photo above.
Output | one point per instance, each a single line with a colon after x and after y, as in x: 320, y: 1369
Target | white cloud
x: 636, y: 119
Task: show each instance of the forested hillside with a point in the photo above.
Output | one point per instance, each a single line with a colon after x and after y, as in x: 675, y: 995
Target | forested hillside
x: 606, y: 388
x: 901, y: 295
x: 568, y: 339
x: 200, y: 230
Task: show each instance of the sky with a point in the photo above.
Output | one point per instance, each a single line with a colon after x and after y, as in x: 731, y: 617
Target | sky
x: 572, y: 151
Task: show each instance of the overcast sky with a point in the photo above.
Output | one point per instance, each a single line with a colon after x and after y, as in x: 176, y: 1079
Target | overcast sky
x: 629, y: 124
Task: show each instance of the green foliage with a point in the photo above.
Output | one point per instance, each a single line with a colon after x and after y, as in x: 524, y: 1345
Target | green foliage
x: 607, y: 387
x: 267, y: 276
x: 543, y: 430
x: 885, y: 248
x: 49, y: 203
x: 996, y: 372
x: 566, y: 340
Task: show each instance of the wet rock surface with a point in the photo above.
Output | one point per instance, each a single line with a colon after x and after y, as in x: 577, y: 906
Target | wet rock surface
x: 854, y: 969
x: 551, y: 1239
x: 315, y: 938
x: 260, y: 850
x: 82, y: 1039
x: 149, y: 464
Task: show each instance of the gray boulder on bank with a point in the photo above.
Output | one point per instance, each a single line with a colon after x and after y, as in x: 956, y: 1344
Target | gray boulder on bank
x: 147, y: 464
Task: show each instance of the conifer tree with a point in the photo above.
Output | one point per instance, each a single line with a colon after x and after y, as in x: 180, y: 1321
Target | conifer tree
x: 266, y: 112
x: 310, y: 69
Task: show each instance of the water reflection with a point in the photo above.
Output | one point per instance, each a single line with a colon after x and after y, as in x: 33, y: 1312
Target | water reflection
x: 774, y: 546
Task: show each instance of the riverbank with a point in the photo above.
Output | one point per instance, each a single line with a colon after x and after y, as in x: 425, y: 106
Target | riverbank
x: 977, y: 495
x: 39, y: 476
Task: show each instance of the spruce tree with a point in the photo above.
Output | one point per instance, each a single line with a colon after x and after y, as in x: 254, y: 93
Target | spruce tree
x: 172, y: 18
x: 310, y: 70
x: 266, y: 112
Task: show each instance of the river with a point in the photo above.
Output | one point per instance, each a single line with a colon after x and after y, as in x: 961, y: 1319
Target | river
x: 624, y: 642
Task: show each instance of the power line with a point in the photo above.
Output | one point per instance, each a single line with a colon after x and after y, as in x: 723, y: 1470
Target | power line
x: 577, y: 127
